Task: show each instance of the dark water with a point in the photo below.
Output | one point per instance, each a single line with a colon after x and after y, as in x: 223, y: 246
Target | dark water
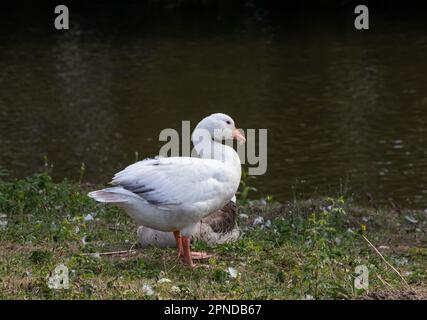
x: 343, y: 109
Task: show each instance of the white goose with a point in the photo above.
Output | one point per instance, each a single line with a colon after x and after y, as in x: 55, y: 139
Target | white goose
x: 174, y: 194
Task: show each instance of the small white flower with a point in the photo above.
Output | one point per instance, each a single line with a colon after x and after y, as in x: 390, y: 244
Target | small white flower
x: 268, y: 223
x: 3, y: 224
x: 258, y: 220
x: 308, y: 297
x: 148, y: 290
x: 243, y: 216
x: 96, y: 255
x: 233, y: 272
x: 88, y: 218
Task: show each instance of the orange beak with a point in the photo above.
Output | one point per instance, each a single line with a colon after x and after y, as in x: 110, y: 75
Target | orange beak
x: 238, y: 135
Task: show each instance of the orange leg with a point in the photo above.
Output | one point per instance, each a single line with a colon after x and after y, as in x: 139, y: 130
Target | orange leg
x: 178, y: 240
x: 187, y: 252
x: 189, y: 255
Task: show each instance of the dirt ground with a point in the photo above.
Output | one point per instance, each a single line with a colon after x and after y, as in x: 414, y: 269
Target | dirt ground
x: 395, y: 295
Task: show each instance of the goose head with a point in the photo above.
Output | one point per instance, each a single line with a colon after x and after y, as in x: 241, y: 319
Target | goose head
x: 218, y: 127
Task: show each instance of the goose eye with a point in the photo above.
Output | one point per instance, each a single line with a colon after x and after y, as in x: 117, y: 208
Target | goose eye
x: 228, y: 122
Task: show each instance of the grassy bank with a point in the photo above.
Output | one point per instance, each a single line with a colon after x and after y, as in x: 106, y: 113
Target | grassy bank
x: 298, y: 250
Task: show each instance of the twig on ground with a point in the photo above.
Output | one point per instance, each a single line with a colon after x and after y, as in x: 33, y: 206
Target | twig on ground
x: 384, y: 259
x: 112, y: 253
x: 384, y: 282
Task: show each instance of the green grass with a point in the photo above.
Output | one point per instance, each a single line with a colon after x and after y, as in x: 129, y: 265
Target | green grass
x: 311, y: 249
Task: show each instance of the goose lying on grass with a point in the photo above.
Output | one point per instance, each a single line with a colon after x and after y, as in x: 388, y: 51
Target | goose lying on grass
x: 217, y: 228
x: 174, y: 194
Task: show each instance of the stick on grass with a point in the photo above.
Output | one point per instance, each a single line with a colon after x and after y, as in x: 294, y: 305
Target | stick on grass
x: 384, y: 259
